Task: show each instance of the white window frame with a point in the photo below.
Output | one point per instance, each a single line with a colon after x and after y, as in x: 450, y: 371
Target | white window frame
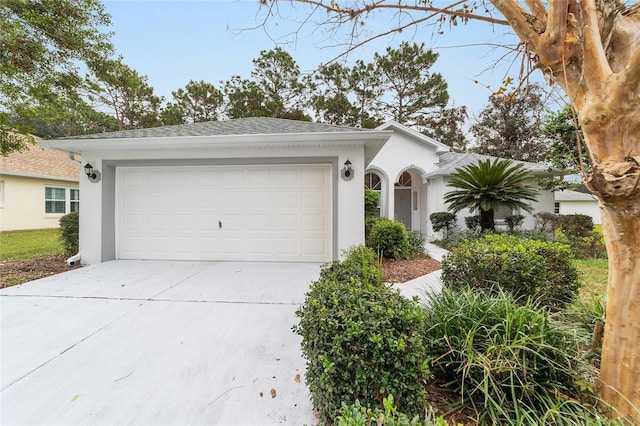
x: 68, y: 201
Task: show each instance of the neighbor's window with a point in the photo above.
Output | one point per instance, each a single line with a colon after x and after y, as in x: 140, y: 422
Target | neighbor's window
x: 74, y: 200
x: 61, y: 200
x: 556, y: 208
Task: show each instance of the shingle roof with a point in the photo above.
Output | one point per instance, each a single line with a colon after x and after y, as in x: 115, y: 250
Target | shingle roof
x: 239, y: 126
x: 39, y: 162
x: 452, y: 161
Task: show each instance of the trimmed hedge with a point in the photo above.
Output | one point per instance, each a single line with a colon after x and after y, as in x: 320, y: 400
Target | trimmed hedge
x: 69, y: 232
x: 527, y: 268
x: 390, y: 238
x: 362, y: 341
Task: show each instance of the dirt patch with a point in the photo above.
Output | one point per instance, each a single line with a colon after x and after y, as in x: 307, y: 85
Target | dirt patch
x: 13, y: 273
x: 400, y: 271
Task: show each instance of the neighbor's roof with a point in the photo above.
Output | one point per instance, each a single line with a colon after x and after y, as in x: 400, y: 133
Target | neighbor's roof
x: 238, y: 126
x: 568, y: 195
x: 40, y: 162
x: 452, y: 161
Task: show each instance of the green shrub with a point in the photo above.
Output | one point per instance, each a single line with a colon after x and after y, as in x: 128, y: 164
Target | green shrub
x: 368, y: 225
x: 575, y: 225
x: 69, y: 232
x: 545, y: 222
x: 527, y: 268
x: 390, y: 237
x: 371, y: 202
x: 472, y: 222
x: 442, y: 220
x: 359, y: 263
x: 357, y: 415
x: 514, y: 222
x: 510, y: 362
x: 416, y: 243
x: 362, y: 341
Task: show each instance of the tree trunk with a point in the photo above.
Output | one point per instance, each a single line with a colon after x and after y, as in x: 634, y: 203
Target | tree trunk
x: 486, y: 220
x: 619, y: 383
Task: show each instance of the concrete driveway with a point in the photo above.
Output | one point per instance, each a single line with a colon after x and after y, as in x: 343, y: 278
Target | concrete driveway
x: 156, y: 343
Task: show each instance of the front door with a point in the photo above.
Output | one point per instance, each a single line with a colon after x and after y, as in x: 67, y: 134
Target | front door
x: 402, y: 202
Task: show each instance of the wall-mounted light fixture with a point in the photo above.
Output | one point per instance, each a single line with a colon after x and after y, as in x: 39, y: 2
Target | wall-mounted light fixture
x: 347, y: 171
x: 92, y: 174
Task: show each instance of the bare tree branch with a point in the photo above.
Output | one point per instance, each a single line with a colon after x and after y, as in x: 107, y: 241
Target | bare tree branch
x: 353, y: 12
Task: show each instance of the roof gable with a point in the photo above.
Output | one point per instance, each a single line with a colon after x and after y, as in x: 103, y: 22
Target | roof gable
x: 438, y: 146
x: 41, y: 163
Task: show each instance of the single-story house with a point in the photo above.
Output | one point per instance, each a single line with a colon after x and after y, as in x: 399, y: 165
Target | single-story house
x: 411, y: 173
x: 260, y: 189
x: 37, y: 187
x: 574, y: 202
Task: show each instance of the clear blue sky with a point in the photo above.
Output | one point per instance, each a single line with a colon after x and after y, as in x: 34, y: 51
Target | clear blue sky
x: 174, y: 41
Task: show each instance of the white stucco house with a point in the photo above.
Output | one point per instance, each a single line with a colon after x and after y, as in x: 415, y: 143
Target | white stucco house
x: 574, y: 202
x: 411, y: 173
x: 259, y: 189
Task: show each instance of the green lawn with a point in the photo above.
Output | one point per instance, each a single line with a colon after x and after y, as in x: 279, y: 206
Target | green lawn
x: 31, y: 244
x: 593, y: 274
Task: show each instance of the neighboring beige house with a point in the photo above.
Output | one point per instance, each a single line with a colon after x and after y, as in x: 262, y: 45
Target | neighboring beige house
x: 37, y: 187
x: 573, y: 202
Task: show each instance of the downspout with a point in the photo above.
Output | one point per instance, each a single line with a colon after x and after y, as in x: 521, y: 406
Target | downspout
x: 75, y: 258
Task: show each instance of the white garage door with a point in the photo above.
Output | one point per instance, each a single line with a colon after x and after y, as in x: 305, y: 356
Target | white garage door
x: 262, y: 212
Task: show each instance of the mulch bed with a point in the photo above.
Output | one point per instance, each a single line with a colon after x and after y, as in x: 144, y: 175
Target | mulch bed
x: 403, y: 270
x: 13, y: 273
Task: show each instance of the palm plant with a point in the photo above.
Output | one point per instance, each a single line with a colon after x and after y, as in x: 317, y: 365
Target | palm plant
x: 487, y: 186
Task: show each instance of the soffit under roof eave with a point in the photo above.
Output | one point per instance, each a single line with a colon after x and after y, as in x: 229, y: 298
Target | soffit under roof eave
x: 274, y: 140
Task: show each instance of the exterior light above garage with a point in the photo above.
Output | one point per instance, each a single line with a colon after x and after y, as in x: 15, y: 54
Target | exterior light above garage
x: 347, y: 171
x: 92, y: 174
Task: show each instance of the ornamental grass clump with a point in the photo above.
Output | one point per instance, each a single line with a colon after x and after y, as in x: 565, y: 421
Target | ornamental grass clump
x: 510, y: 362
x: 527, y: 268
x: 362, y: 341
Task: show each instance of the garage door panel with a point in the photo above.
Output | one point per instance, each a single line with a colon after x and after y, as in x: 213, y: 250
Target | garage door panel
x: 269, y: 212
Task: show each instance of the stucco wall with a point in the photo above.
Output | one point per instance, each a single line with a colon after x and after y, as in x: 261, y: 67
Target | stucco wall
x: 589, y: 208
x: 402, y: 153
x: 23, y: 205
x: 97, y: 207
x: 437, y: 187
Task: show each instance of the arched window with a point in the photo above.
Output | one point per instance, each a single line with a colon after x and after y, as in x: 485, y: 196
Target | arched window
x: 373, y: 182
x: 404, y: 180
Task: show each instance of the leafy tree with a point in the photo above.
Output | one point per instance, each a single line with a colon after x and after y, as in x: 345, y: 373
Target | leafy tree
x: 365, y: 83
x: 58, y: 114
x: 411, y: 90
x: 560, y: 134
x: 487, y: 186
x: 445, y: 126
x: 277, y: 89
x: 198, y: 101
x: 510, y: 125
x: 332, y: 103
x: 127, y: 94
x: 42, y: 43
x: 171, y: 115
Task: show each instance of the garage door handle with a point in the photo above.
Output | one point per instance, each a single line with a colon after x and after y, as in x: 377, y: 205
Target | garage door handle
x: 219, y: 225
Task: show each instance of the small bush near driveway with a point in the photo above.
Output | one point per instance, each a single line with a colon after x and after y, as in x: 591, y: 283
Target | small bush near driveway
x: 362, y: 341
